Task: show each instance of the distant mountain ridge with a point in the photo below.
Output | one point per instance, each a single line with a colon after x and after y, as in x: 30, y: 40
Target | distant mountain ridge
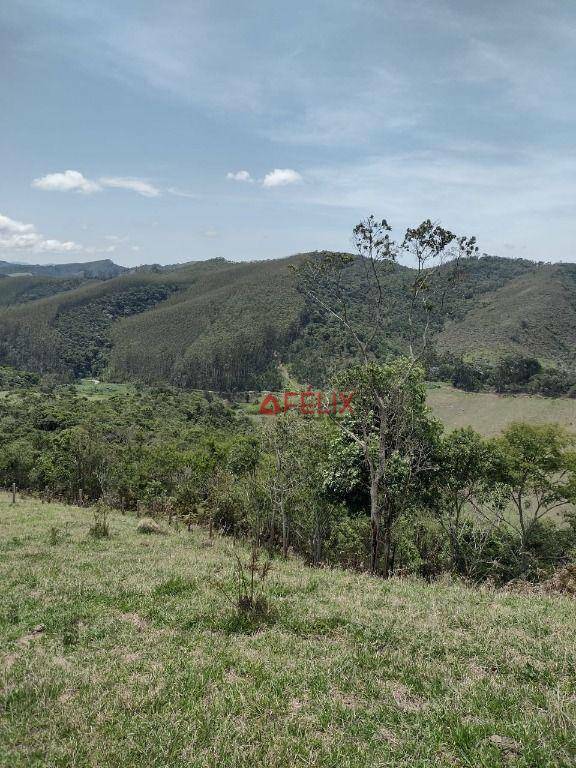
x: 227, y: 325
x: 102, y: 269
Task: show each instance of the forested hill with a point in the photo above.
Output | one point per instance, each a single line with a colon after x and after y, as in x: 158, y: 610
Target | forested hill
x: 103, y: 269
x: 223, y: 325
x: 533, y: 314
x: 22, y: 288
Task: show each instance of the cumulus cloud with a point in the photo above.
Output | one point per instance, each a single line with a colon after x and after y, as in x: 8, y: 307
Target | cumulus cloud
x: 68, y: 181
x: 143, y: 188
x: 239, y: 176
x: 17, y: 236
x: 11, y: 226
x: 74, y: 181
x: 280, y: 177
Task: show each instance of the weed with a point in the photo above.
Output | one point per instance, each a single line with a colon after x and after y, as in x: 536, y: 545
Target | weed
x: 56, y: 535
x: 251, y: 584
x: 71, y: 633
x: 100, y: 528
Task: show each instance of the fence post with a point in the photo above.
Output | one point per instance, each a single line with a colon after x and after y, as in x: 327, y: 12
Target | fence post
x: 13, y: 493
x: 80, y: 497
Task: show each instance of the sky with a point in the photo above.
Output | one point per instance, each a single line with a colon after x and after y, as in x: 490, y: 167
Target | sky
x: 163, y: 132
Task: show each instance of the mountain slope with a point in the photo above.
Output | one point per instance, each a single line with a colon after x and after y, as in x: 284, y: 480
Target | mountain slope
x: 224, y: 325
x: 534, y: 315
x: 23, y: 288
x: 223, y: 332
x: 68, y: 333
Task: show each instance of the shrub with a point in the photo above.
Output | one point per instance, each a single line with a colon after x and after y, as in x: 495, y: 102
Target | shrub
x: 467, y: 377
x: 563, y: 581
x: 515, y: 371
x: 348, y: 544
x: 57, y: 536
x: 149, y: 526
x: 100, y: 528
x: 550, y: 383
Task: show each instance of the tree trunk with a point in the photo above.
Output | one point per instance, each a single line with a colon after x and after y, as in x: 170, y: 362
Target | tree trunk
x: 387, y: 550
x: 285, y: 530
x: 375, y: 526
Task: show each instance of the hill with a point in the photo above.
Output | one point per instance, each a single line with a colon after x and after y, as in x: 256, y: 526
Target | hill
x: 131, y: 647
x: 223, y: 325
x: 533, y: 314
x: 102, y: 269
x: 224, y: 331
x: 215, y: 324
x: 68, y: 333
x: 23, y: 288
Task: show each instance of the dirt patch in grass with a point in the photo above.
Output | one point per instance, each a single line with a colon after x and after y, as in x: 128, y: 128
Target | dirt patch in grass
x: 406, y: 700
x: 136, y: 620
x: 32, y: 635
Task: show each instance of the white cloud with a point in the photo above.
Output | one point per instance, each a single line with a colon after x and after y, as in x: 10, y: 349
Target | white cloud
x: 57, y: 245
x: 16, y: 236
x: 211, y: 233
x: 239, y: 176
x: 280, y: 177
x: 74, y: 181
x: 10, y: 226
x: 135, y: 185
x: 69, y: 181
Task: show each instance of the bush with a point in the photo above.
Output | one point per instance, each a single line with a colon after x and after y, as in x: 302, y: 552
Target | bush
x: 349, y: 543
x: 515, y: 371
x: 149, y: 526
x: 550, y: 383
x: 467, y: 377
x: 100, y: 528
x: 562, y: 581
x: 420, y: 546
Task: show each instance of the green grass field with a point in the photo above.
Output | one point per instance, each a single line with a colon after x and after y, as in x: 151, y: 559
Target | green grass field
x: 127, y: 652
x: 94, y: 389
x: 489, y: 413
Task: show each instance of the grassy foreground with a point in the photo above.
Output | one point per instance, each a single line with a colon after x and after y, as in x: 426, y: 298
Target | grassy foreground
x: 126, y: 652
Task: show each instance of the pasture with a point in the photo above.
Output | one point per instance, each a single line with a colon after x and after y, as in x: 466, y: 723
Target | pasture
x: 129, y: 651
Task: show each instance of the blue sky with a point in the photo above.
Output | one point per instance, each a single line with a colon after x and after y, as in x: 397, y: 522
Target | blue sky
x: 175, y: 131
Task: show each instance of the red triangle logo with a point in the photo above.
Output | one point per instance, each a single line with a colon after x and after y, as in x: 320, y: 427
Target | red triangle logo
x: 269, y: 406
